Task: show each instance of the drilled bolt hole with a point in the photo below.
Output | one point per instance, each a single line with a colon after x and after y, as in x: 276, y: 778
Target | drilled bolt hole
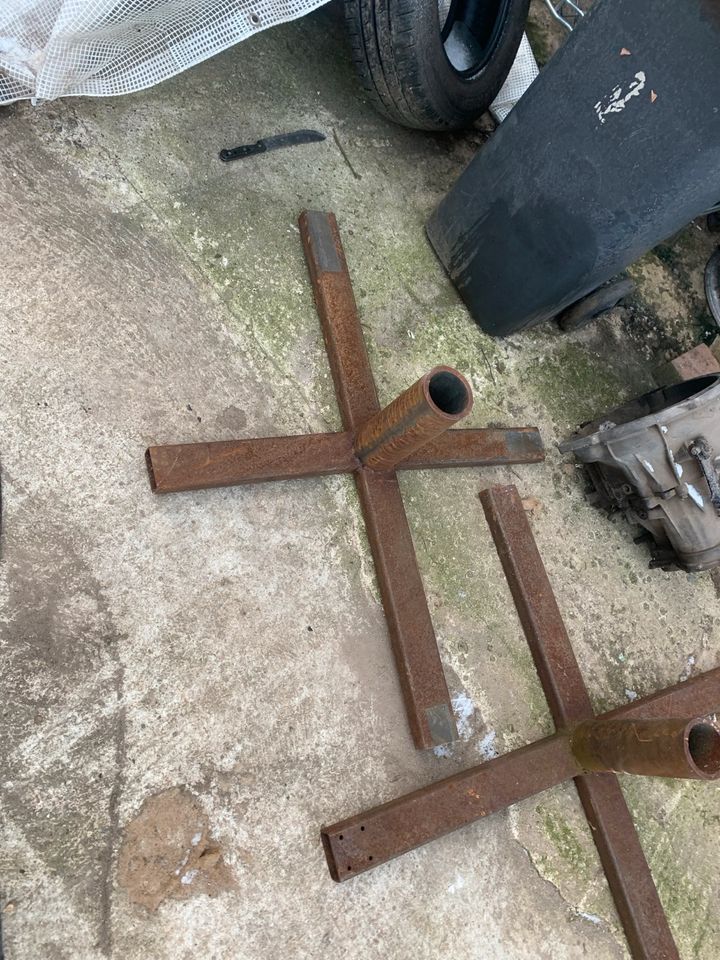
x: 362, y: 828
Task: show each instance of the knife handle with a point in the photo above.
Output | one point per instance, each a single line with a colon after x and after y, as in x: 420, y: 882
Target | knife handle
x: 246, y: 150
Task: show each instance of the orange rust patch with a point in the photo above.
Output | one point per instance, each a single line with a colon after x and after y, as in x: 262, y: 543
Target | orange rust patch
x: 167, y: 852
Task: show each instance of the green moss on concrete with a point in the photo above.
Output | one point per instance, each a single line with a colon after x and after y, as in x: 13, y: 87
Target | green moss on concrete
x: 451, y: 551
x: 574, y: 384
x: 565, y: 840
x: 460, y: 570
x: 678, y: 824
x: 561, y: 847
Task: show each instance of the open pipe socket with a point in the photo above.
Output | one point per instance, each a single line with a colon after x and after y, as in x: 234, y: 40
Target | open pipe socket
x: 433, y: 404
x: 679, y: 748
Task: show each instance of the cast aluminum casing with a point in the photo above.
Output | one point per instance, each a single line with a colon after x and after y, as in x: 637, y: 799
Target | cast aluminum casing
x: 645, y: 458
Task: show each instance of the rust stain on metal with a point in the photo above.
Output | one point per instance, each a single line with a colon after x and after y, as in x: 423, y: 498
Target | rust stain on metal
x: 409, y: 434
x: 335, y: 302
x: 432, y: 405
x: 621, y: 854
x: 224, y: 463
x: 486, y: 446
x: 365, y: 841
x: 427, y: 701
x: 515, y: 777
x: 681, y: 748
x: 536, y: 605
x: 644, y: 737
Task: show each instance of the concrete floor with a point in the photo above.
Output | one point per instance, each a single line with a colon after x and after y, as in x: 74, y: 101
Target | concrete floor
x: 211, y: 670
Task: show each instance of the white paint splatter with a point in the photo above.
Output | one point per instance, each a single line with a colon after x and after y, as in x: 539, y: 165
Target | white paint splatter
x: 197, y: 837
x: 696, y: 496
x: 593, y: 918
x: 188, y: 877
x: 690, y: 663
x: 464, y: 710
x: 457, y: 884
x: 442, y: 751
x: 631, y: 695
x: 486, y: 747
x: 616, y: 102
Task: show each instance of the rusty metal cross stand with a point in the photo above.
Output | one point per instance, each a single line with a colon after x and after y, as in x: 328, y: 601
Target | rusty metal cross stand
x: 650, y: 737
x: 409, y: 434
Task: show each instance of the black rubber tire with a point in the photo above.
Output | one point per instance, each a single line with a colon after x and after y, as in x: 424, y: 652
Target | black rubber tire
x: 712, y: 285
x: 399, y: 54
x: 584, y: 311
x: 713, y: 221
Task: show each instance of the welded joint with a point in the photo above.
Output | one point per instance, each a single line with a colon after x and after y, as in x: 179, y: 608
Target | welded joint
x: 433, y: 404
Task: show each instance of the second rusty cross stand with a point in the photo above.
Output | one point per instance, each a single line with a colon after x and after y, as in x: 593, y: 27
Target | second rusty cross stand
x: 652, y: 737
x: 406, y: 435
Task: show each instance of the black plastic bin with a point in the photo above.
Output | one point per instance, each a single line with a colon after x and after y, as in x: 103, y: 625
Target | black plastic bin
x: 615, y: 147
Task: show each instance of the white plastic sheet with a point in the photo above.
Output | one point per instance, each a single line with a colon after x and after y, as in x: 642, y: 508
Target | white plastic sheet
x: 101, y: 48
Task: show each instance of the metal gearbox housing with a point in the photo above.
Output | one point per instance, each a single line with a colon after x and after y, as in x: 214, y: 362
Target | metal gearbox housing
x: 656, y: 458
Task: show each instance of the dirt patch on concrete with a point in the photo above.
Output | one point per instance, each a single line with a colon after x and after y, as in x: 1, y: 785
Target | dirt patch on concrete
x: 167, y: 852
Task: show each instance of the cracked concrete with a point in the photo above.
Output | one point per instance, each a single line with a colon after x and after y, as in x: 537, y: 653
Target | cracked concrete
x: 230, y: 643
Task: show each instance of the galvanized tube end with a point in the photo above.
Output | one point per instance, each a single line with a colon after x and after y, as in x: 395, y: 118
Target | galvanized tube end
x: 702, y: 745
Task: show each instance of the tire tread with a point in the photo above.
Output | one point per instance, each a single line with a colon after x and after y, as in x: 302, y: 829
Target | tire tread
x: 399, y: 57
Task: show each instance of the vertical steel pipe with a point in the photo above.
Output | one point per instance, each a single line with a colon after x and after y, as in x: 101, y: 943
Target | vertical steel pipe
x: 681, y: 748
x: 430, y: 406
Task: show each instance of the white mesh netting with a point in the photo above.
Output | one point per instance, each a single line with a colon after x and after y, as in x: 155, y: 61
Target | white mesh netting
x: 521, y: 75
x: 100, y: 48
